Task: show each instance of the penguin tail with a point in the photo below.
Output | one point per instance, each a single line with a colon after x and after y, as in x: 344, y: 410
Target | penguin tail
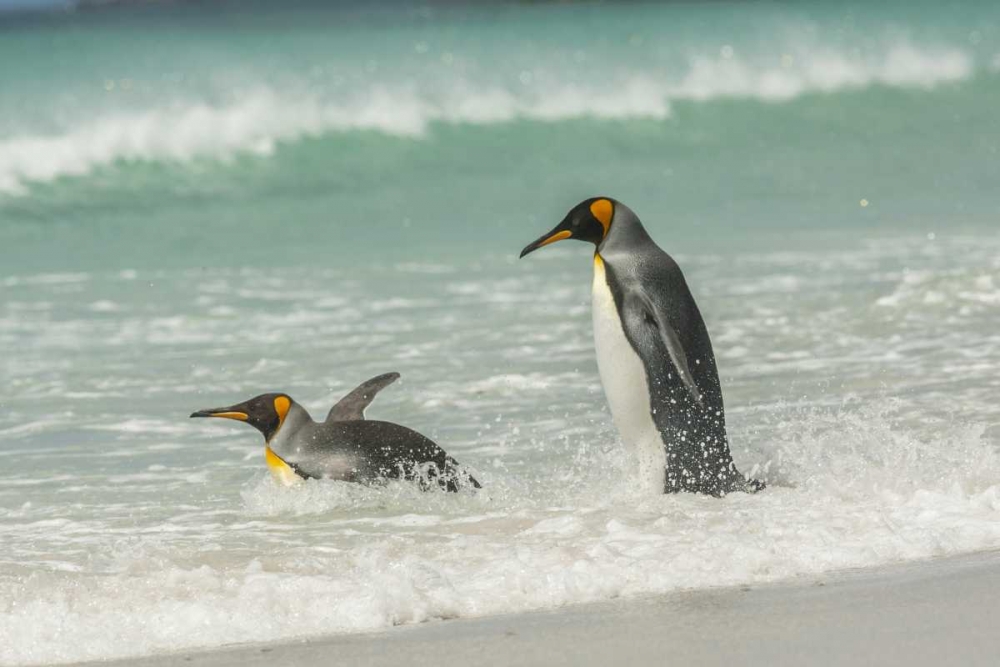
x: 740, y: 484
x: 459, y: 479
x: 450, y: 476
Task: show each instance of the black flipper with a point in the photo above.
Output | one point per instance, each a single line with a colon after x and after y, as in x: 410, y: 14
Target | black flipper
x: 640, y: 308
x: 352, y: 407
x: 693, y: 426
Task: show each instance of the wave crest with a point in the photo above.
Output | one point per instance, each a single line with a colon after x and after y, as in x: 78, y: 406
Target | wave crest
x: 903, y: 66
x: 264, y: 117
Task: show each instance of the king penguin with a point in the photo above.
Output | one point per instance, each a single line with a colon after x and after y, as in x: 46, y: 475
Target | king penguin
x: 345, y: 446
x: 654, y: 355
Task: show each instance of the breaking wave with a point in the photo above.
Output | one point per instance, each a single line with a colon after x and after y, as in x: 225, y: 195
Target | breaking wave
x: 265, y: 116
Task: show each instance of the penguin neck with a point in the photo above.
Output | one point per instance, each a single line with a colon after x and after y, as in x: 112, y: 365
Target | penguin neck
x: 626, y: 234
x: 296, y: 418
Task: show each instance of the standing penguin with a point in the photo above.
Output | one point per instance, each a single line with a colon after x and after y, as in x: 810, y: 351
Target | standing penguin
x: 654, y: 354
x: 346, y: 446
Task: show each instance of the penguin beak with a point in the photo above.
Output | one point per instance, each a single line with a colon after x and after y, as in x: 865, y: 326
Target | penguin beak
x: 223, y: 413
x: 557, y: 234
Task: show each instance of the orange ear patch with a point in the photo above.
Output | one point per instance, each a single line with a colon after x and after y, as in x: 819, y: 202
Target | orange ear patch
x: 281, y: 406
x: 603, y: 210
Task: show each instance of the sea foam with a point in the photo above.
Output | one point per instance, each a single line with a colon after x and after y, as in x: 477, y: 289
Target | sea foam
x: 853, y: 490
x: 129, y: 529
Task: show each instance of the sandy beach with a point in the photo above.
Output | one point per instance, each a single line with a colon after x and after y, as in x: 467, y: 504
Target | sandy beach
x: 929, y: 613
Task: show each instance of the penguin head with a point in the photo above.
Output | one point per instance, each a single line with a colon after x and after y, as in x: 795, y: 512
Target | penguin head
x: 590, y: 220
x: 266, y: 412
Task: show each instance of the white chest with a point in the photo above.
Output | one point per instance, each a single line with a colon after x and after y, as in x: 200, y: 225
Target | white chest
x: 626, y: 386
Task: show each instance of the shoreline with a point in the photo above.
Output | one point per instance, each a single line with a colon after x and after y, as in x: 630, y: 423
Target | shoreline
x: 941, y: 611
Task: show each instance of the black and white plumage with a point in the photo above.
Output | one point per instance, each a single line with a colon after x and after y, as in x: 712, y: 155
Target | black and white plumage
x: 654, y: 354
x: 345, y: 446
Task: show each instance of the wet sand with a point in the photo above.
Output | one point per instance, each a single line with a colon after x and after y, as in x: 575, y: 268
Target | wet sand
x: 930, y: 613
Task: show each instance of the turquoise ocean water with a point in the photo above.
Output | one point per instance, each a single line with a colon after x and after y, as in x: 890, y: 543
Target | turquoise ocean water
x: 200, y: 203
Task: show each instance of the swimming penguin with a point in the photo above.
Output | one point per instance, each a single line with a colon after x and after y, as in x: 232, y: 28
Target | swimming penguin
x: 346, y: 446
x: 653, y: 353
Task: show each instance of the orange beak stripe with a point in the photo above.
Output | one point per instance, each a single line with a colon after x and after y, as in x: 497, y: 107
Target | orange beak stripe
x: 240, y: 416
x: 558, y: 236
